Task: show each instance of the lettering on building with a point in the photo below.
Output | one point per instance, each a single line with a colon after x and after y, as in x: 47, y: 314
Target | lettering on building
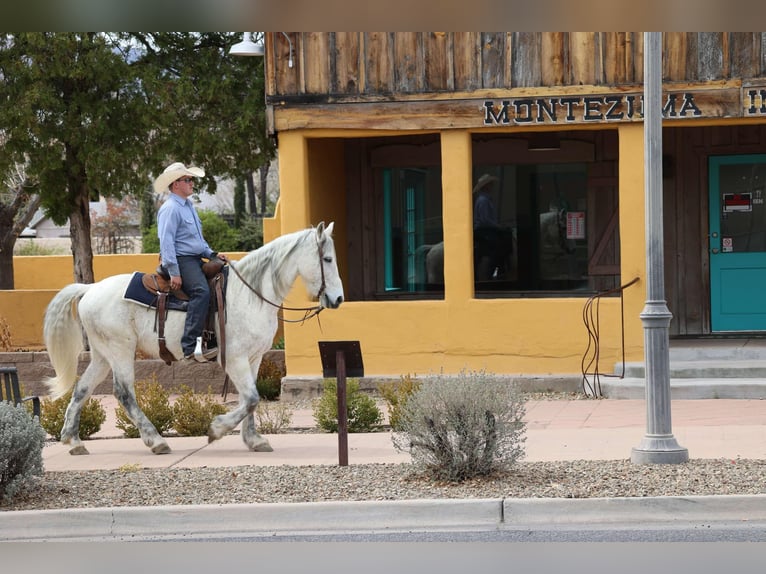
x: 587, y: 109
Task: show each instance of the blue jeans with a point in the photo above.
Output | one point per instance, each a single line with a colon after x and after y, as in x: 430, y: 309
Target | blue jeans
x: 196, y: 287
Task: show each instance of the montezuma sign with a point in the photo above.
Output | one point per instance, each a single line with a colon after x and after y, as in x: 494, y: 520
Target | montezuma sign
x: 520, y: 108
x: 581, y: 109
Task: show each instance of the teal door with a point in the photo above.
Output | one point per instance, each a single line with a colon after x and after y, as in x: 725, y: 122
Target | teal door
x: 737, y: 243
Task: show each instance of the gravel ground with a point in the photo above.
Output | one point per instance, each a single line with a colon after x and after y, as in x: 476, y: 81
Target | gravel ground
x: 249, y: 484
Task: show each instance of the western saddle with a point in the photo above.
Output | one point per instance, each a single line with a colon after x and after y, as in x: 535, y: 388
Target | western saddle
x: 158, y: 284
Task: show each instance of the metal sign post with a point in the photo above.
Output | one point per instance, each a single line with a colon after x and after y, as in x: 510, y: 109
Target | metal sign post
x: 339, y: 359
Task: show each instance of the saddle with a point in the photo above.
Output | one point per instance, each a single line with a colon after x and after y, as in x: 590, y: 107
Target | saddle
x: 158, y: 284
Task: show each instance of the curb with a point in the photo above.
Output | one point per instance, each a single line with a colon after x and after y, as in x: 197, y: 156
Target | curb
x: 178, y: 522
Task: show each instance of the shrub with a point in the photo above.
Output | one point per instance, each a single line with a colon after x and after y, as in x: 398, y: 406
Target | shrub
x: 155, y: 402
x: 193, y: 412
x: 395, y: 394
x: 218, y: 234
x: 461, y: 427
x: 21, y: 448
x: 363, y: 415
x: 269, y: 381
x: 272, y: 417
x: 52, y: 413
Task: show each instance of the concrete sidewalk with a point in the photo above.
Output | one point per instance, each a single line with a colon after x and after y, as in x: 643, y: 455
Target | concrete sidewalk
x: 556, y: 430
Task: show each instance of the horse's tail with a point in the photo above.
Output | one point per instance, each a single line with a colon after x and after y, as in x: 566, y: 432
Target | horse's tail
x: 62, y: 331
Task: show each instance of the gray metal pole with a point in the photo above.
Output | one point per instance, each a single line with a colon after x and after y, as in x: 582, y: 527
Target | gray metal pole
x: 658, y: 446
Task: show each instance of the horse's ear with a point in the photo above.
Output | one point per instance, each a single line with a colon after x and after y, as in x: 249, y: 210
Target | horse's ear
x: 320, y: 229
x: 328, y: 231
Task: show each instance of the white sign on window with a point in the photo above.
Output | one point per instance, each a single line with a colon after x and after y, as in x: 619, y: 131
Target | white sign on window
x: 576, y: 225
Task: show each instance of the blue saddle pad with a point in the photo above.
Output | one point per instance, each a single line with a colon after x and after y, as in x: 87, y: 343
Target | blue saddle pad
x: 136, y: 292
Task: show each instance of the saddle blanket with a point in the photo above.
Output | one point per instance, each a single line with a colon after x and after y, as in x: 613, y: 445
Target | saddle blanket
x: 137, y: 293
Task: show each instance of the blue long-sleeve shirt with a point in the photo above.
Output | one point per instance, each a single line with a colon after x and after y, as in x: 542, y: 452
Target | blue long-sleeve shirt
x: 180, y: 232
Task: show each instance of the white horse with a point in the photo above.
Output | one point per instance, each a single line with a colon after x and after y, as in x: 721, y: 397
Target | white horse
x: 117, y: 328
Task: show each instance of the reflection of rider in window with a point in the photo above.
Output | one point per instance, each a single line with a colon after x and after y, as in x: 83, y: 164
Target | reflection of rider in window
x: 486, y: 229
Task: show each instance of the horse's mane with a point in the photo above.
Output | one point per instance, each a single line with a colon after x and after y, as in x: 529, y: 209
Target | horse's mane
x: 269, y: 261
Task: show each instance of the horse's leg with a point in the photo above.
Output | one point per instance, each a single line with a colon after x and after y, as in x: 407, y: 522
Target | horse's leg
x: 93, y: 375
x: 243, y: 375
x: 125, y: 392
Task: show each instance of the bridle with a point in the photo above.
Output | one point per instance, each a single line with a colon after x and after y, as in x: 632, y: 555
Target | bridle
x: 309, y: 312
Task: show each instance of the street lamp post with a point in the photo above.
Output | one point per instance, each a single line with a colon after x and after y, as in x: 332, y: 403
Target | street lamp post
x: 658, y: 446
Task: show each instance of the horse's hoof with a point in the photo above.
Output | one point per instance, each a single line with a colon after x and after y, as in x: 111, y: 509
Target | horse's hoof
x: 211, y: 436
x: 78, y: 450
x: 161, y: 448
x: 262, y: 447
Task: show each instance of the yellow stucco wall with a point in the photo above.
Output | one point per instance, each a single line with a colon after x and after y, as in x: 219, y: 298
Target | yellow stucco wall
x: 509, y: 336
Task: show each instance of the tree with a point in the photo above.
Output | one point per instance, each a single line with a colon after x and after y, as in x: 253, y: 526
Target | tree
x: 18, y: 204
x: 93, y: 114
x: 72, y: 112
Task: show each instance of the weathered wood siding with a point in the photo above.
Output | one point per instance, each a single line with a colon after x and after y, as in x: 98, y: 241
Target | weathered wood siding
x: 355, y: 66
x: 685, y: 213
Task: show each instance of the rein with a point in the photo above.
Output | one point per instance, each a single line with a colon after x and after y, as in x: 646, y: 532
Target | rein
x: 309, y: 312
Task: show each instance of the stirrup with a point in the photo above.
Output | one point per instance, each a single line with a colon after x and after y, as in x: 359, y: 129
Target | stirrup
x: 203, y: 356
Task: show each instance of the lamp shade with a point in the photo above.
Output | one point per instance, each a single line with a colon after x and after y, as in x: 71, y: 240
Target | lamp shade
x: 246, y: 47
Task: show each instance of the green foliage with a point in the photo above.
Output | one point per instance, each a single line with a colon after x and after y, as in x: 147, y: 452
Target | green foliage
x: 250, y: 234
x: 395, y: 394
x: 363, y: 415
x: 272, y: 416
x: 21, y: 447
x: 461, y: 427
x: 154, y: 401
x: 97, y: 113
x: 219, y: 235
x: 269, y: 380
x: 150, y: 242
x: 279, y: 344
x: 193, y: 412
x: 52, y: 413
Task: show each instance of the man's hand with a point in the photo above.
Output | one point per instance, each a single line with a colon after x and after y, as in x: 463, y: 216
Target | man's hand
x: 175, y: 282
x: 223, y: 257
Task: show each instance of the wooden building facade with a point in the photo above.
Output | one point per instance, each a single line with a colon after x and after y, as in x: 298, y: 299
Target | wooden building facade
x: 389, y: 135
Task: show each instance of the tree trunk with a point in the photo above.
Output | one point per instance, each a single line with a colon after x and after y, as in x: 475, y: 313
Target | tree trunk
x: 264, y: 171
x: 6, y: 266
x: 79, y: 232
x: 250, y: 194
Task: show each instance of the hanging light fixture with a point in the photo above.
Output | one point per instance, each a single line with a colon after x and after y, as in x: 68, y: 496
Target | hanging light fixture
x: 247, y: 47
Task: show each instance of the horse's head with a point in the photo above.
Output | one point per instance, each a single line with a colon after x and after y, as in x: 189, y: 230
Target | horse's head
x: 319, y: 268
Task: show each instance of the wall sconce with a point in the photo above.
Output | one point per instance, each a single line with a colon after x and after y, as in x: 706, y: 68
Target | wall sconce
x: 247, y: 47
x: 290, y: 58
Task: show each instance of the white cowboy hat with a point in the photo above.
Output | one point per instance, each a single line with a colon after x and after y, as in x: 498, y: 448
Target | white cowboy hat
x: 173, y: 172
x: 484, y: 181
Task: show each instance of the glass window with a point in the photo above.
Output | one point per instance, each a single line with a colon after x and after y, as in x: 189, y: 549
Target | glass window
x: 412, y: 229
x: 544, y: 222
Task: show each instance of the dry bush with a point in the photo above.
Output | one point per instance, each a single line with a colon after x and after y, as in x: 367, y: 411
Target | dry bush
x: 464, y: 426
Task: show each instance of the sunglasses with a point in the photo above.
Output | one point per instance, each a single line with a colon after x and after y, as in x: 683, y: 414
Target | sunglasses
x: 187, y: 180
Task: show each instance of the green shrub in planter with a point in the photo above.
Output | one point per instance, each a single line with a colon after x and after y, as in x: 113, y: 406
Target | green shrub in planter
x: 363, y: 415
x: 154, y: 400
x: 52, y: 413
x: 193, y: 412
x: 269, y: 380
x: 395, y: 394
